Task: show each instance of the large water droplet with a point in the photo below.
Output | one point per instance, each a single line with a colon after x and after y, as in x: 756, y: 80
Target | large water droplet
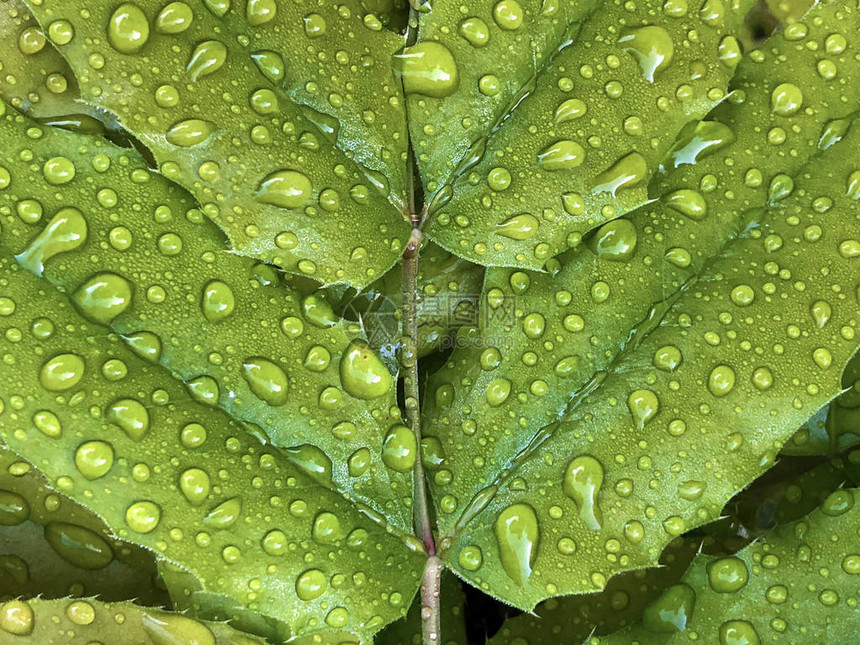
x: 94, y: 459
x: 17, y: 618
x: 285, y: 188
x: 738, y: 632
x: 651, y: 46
x: 312, y: 461
x: 671, y: 612
x: 62, y: 372
x: 625, y: 173
x: 175, y: 629
x: 131, y: 416
x: 697, y: 141
x: 190, y: 132
x: 225, y: 514
x: 786, y: 99
x: 616, y: 240
x: 175, y: 18
x: 428, y: 68
x: 78, y: 545
x: 688, y: 202
x: 266, y: 380
x: 518, y: 535
x: 518, y: 227
x: 259, y: 12
x: 728, y: 575
x: 569, y: 110
x: 399, y: 449
x: 311, y: 584
x: 643, y: 406
x: 362, y: 373
x: 103, y: 297
x: 508, y: 15
x: 14, y: 509
x: 143, y: 517
x: 194, y: 484
x: 66, y: 231
x: 722, y: 380
x: 562, y: 155
x: 583, y: 478
x: 128, y: 29
x: 207, y: 59
x: 218, y: 301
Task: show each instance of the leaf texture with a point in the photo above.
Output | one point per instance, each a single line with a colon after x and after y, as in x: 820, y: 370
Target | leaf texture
x: 797, y: 585
x: 581, y: 147
x: 87, y: 620
x: 135, y: 254
x: 183, y: 479
x: 632, y: 461
x: 227, y: 116
x: 546, y: 339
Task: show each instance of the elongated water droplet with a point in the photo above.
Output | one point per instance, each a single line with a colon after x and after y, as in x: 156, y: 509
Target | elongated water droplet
x: 78, y: 545
x: 625, y: 173
x: 225, y: 514
x: 266, y: 380
x: 651, y: 46
x: 569, y: 110
x: 131, y: 416
x: 14, y: 509
x: 312, y: 461
x: 582, y: 481
x: 643, y: 406
x: 271, y: 64
x: 699, y: 140
x: 175, y: 629
x: 175, y: 18
x: 562, y: 155
x: 518, y: 535
x: 190, y: 132
x: 207, y: 59
x: 428, y: 68
x: 518, y: 227
x: 738, y: 632
x: 66, y: 231
x: 688, y: 202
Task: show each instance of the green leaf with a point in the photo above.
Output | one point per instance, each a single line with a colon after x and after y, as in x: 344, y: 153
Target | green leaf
x: 631, y: 461
x: 553, y: 337
x: 142, y: 258
x: 35, y: 79
x: 618, y: 605
x: 189, y: 483
x: 259, y: 111
x: 575, y: 144
x: 797, y: 585
x: 87, y: 620
x: 52, y: 547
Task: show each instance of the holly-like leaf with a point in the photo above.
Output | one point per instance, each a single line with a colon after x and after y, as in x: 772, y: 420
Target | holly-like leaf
x: 756, y: 329
x: 575, y: 618
x: 87, y: 620
x: 796, y: 585
x: 578, y: 133
x: 135, y: 254
x: 120, y: 436
x: 52, y: 547
x: 258, y: 110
